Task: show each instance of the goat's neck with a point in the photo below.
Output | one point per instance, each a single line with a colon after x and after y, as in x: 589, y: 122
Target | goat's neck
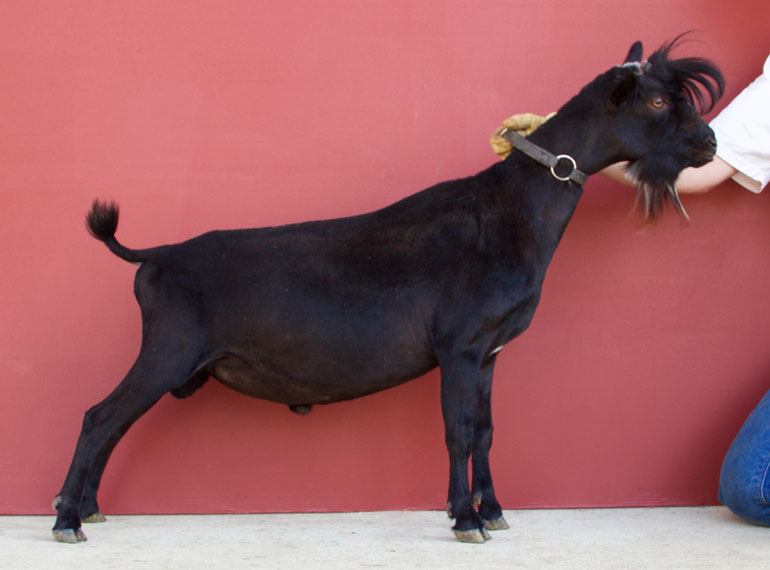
x: 576, y: 138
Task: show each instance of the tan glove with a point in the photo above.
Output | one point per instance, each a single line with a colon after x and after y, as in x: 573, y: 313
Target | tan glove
x: 523, y: 123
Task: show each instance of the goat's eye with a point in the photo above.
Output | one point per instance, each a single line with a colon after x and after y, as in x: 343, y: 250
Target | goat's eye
x: 658, y: 103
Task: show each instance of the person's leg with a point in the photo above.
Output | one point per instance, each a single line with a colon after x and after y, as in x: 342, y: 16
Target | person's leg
x: 744, y: 483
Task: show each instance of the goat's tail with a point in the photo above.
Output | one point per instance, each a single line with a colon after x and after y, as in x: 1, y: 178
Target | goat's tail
x: 102, y: 223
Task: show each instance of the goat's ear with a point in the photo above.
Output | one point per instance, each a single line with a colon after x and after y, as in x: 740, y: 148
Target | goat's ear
x: 635, y: 53
x: 624, y: 89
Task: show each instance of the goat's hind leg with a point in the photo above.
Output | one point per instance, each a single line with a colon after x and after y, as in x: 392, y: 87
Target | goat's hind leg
x: 101, y: 424
x: 154, y: 373
x: 483, y: 491
x: 89, y: 506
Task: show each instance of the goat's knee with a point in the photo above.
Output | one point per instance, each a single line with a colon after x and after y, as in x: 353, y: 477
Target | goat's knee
x: 483, y: 438
x: 90, y: 419
x: 460, y: 440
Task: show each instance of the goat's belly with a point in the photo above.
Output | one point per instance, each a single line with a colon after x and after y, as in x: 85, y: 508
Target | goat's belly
x: 295, y: 387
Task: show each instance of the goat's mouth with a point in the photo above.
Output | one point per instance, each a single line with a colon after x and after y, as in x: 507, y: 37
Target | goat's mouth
x: 703, y: 156
x: 704, y: 153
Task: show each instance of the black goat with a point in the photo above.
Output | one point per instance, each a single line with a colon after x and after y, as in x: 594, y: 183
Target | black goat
x: 326, y: 311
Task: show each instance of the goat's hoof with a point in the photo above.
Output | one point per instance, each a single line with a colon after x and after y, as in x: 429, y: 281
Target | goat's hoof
x: 474, y: 535
x: 69, y: 535
x: 497, y: 524
x: 96, y: 517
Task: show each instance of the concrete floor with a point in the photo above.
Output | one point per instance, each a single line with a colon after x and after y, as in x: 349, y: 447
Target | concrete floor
x: 660, y: 538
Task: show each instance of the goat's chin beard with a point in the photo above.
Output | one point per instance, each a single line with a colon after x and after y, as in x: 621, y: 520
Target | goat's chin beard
x: 650, y: 200
x: 652, y: 192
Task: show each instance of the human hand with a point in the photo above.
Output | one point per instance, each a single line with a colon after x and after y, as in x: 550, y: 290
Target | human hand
x: 523, y: 123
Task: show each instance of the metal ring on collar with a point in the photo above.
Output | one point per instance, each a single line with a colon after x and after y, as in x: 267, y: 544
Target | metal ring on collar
x: 563, y: 157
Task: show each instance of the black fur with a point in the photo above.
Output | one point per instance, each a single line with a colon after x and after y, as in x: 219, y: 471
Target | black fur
x: 694, y: 85
x: 102, y: 220
x: 326, y: 311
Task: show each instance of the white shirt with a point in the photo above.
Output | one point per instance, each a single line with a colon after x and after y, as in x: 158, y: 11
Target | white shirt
x: 743, y: 133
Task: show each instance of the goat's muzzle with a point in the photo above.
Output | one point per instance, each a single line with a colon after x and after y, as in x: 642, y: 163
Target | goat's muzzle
x: 703, y: 152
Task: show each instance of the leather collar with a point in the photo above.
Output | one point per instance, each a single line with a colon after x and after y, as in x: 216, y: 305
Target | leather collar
x: 545, y: 158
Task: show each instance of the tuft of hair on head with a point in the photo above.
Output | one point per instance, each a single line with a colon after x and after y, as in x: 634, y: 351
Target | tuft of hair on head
x: 697, y: 79
x: 102, y: 220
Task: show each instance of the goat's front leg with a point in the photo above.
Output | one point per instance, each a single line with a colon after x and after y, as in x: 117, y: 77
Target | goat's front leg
x: 459, y: 404
x: 482, y: 489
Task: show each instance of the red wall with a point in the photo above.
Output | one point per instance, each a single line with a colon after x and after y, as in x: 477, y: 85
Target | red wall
x: 649, y: 347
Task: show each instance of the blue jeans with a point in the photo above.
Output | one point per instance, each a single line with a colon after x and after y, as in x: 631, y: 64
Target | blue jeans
x: 744, y: 483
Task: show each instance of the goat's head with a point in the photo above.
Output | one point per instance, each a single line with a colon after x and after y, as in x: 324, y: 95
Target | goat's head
x: 652, y: 119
